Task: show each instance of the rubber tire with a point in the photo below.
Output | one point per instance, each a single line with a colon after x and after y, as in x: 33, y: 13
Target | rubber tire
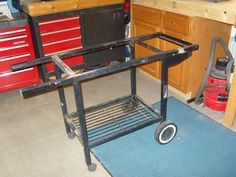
x: 163, y: 127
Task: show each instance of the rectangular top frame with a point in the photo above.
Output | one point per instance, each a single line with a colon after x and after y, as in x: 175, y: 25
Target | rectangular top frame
x: 179, y: 54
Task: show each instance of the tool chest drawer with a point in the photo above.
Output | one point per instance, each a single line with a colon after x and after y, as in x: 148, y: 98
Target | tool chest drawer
x: 6, y: 62
x: 14, y: 50
x: 13, y: 41
x: 11, y: 32
x: 16, y: 47
x: 176, y: 22
x: 58, y: 46
x: 57, y: 24
x: 60, y: 34
x: 18, y: 79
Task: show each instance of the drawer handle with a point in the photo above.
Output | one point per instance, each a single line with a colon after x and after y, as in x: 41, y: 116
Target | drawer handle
x: 59, y: 31
x: 58, y: 42
x: 174, y: 23
x: 15, y: 57
x: 13, y: 38
x: 12, y: 32
x: 56, y: 21
x: 15, y: 47
x: 8, y: 74
x: 19, y: 42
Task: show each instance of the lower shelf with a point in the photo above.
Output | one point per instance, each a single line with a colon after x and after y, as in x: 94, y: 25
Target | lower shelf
x: 114, y: 119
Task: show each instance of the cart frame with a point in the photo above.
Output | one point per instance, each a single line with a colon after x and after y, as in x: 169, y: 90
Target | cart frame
x: 131, y: 106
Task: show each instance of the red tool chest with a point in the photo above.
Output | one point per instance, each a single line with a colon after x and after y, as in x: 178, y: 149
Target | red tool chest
x: 61, y: 34
x: 16, y: 47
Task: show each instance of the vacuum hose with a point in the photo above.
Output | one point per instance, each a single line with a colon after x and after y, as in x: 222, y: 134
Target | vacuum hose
x: 214, y: 42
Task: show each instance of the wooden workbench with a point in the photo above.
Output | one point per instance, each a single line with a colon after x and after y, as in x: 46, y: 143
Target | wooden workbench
x: 37, y: 7
x: 221, y: 11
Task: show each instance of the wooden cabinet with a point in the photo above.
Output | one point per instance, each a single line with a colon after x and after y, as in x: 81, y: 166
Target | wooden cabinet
x: 175, y: 73
x: 186, y: 76
x: 177, y: 26
x: 141, y: 28
x: 147, y: 21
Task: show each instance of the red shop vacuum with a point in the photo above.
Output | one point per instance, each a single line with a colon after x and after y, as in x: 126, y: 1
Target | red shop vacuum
x: 215, y: 86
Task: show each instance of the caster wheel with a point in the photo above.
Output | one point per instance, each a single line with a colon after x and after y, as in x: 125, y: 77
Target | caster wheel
x: 71, y: 135
x: 165, y: 132
x: 92, y: 167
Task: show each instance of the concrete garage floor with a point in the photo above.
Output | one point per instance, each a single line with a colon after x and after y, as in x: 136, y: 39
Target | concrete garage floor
x: 33, y: 142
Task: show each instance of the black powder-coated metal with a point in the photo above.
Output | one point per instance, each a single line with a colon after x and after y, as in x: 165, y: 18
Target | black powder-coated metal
x: 133, y: 70
x: 37, y: 41
x: 164, y: 88
x: 114, y: 119
x: 82, y: 121
x: 154, y: 49
x: 106, y: 46
x: 62, y: 97
x: 101, y: 123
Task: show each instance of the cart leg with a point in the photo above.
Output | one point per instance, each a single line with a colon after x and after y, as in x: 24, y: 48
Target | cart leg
x: 164, y: 88
x: 133, y: 70
x: 83, y: 127
x: 61, y: 93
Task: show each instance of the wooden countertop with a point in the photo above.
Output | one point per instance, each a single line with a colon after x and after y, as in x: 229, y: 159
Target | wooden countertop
x: 222, y: 11
x: 37, y: 7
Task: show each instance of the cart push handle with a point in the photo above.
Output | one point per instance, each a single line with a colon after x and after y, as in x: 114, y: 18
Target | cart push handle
x: 174, y: 56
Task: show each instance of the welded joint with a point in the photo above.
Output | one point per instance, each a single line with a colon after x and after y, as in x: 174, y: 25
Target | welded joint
x: 65, y: 68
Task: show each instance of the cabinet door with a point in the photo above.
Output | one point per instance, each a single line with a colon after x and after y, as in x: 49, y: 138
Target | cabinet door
x: 141, y: 28
x: 178, y: 72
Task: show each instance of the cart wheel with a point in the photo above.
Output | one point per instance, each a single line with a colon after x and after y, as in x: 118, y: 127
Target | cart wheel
x: 165, y: 132
x: 71, y: 135
x: 92, y: 167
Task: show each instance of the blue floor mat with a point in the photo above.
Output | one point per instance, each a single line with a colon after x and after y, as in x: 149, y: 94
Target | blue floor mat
x: 201, y: 148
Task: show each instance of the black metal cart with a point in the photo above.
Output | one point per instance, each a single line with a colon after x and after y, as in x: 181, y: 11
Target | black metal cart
x: 104, y: 122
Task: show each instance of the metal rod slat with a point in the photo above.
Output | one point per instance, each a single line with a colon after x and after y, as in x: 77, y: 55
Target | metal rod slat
x: 122, y: 133
x: 105, y: 112
x: 113, y: 119
x: 116, y: 127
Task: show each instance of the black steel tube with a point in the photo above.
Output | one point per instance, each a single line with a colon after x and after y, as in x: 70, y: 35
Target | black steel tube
x: 100, y: 47
x: 173, y: 40
x: 122, y: 133
x: 133, y: 71
x: 82, y: 122
x: 62, y: 97
x: 164, y: 88
x: 37, y: 41
x: 154, y: 49
x: 84, y: 51
x: 104, y: 71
